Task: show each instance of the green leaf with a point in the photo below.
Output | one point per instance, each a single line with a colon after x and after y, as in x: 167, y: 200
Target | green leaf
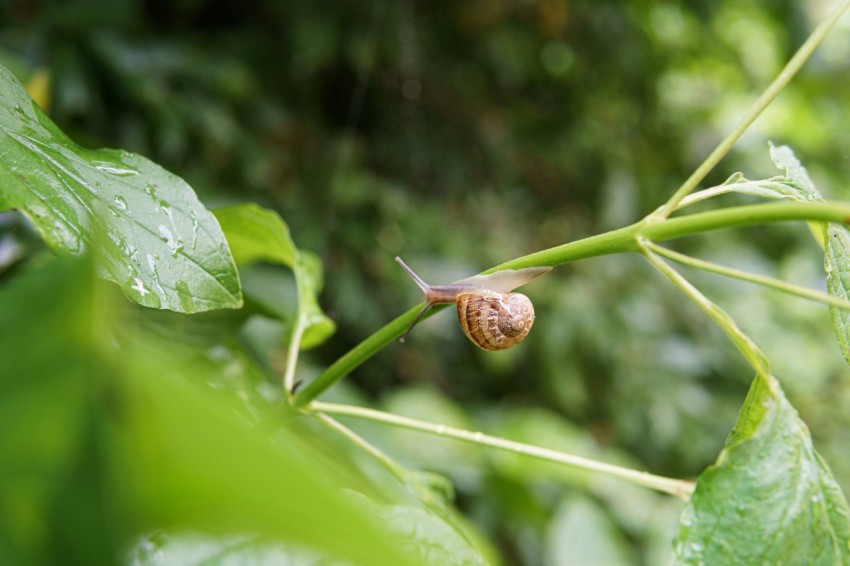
x: 834, y: 238
x: 193, y: 549
x: 256, y: 234
x: 427, y: 535
x: 45, y: 371
x: 102, y: 445
x: 798, y: 178
x: 155, y: 238
x: 837, y: 266
x: 770, y: 498
x: 795, y: 184
x: 309, y: 278
x: 581, y: 533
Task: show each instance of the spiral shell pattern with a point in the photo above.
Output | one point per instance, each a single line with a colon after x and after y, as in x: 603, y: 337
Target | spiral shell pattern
x: 495, y: 321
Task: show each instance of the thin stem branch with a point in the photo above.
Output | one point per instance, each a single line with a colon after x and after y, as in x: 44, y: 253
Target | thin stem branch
x: 292, y: 356
x: 712, y: 192
x: 779, y: 83
x: 745, y: 345
x: 617, y: 241
x: 388, y: 463
x: 763, y: 280
x: 680, y: 488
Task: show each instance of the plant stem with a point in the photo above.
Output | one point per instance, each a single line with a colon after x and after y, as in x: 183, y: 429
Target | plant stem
x: 388, y: 463
x: 615, y: 241
x: 771, y: 282
x: 292, y: 356
x: 679, y: 488
x: 745, y: 345
x: 359, y: 354
x: 779, y: 83
x: 610, y: 242
x: 712, y: 192
x: 748, y: 215
x: 622, y: 240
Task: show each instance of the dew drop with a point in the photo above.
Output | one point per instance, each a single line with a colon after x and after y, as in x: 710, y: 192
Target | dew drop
x: 139, y: 286
x: 111, y: 168
x: 120, y: 203
x: 169, y: 240
x: 152, y: 264
x: 194, y: 228
x: 150, y: 190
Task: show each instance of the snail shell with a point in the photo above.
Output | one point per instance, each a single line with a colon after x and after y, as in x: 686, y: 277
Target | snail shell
x: 495, y: 321
x: 490, y: 315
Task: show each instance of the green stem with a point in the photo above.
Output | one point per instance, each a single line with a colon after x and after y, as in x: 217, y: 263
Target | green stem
x: 679, y: 488
x: 779, y: 83
x: 748, y: 215
x: 388, y: 463
x: 615, y: 241
x: 622, y: 240
x: 611, y: 242
x: 292, y: 356
x: 712, y: 192
x: 357, y: 355
x: 745, y: 345
x: 771, y: 282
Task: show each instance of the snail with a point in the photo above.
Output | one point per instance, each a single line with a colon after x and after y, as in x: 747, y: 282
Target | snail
x: 489, y: 314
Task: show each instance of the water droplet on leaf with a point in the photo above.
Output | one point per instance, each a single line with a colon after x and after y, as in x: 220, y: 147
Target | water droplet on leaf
x: 111, y: 168
x: 173, y: 244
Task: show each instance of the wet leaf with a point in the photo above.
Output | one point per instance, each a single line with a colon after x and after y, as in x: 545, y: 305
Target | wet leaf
x: 770, y: 498
x: 154, y: 237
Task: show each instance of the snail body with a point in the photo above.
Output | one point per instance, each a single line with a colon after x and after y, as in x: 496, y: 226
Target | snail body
x: 490, y: 315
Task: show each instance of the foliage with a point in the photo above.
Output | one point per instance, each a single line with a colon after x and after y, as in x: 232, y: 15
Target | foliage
x: 184, y: 445
x: 146, y: 214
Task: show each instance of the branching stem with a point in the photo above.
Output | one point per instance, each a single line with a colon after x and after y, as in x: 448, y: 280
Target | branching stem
x: 622, y: 240
x: 745, y: 345
x: 770, y: 282
x: 779, y: 83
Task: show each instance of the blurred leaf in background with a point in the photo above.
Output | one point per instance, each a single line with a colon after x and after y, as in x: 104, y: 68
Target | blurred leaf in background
x: 105, y: 443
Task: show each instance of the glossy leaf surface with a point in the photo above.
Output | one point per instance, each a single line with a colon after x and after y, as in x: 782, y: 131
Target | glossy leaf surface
x: 154, y: 237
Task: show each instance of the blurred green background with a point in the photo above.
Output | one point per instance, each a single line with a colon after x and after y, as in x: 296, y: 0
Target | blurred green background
x: 459, y: 135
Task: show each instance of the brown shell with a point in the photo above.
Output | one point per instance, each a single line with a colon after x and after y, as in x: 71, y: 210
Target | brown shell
x: 495, y: 321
